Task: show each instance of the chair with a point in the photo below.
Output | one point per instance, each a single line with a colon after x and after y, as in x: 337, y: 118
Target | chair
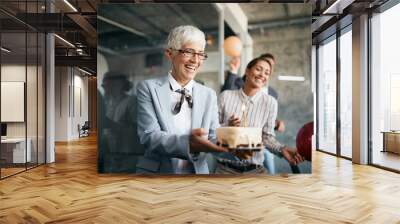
x: 84, y: 130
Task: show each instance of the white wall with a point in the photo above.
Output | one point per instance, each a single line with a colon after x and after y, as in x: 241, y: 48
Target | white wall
x: 81, y: 104
x: 61, y: 103
x: 13, y: 73
x: 33, y: 125
x: 238, y: 22
x: 16, y: 73
x: 71, y: 102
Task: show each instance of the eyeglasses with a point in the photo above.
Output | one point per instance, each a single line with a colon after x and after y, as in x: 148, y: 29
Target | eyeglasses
x: 190, y: 53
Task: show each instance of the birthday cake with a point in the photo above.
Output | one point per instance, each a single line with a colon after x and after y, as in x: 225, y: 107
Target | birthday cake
x: 240, y: 137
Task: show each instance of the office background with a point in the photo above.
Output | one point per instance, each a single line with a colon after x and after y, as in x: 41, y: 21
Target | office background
x: 132, y: 45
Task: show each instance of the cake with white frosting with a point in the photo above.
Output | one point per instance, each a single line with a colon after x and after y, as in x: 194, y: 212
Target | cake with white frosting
x: 240, y: 137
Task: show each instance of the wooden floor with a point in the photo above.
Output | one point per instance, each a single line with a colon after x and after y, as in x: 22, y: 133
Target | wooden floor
x: 10, y: 171
x: 71, y: 191
x: 387, y: 159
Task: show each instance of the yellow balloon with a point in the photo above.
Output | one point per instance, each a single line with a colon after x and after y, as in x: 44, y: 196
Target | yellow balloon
x: 233, y: 46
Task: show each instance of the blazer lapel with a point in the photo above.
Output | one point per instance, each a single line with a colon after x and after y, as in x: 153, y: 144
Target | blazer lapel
x: 198, y: 107
x: 164, y: 100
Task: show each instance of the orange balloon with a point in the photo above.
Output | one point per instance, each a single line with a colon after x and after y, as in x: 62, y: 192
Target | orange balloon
x: 233, y: 46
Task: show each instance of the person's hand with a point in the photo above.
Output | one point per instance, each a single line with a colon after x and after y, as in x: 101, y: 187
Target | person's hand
x: 292, y: 156
x: 243, y: 154
x: 234, y: 65
x: 233, y: 121
x: 199, y: 143
x: 279, y: 126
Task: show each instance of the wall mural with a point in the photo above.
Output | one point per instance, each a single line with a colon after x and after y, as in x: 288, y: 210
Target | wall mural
x: 166, y: 105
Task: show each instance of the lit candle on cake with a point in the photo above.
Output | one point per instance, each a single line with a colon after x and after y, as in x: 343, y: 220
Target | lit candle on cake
x: 244, y: 117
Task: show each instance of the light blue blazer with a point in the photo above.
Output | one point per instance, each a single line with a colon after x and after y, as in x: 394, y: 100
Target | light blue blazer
x: 156, y: 128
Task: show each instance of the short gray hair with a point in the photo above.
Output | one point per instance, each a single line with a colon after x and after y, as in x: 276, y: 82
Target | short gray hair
x: 181, y: 35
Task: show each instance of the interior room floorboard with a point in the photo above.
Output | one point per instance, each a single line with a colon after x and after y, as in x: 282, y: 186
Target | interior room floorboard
x: 71, y: 191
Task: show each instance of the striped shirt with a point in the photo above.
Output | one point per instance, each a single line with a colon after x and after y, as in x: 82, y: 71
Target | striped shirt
x: 261, y: 111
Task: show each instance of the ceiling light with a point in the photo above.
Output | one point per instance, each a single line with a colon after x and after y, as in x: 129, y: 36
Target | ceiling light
x: 291, y: 78
x: 119, y: 25
x: 84, y: 71
x: 71, y: 6
x: 65, y: 41
x: 337, y: 7
x: 80, y: 51
x: 5, y: 50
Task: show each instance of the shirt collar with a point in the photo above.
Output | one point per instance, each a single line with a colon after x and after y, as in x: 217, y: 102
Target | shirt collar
x: 251, y: 99
x: 176, y: 86
x: 265, y: 90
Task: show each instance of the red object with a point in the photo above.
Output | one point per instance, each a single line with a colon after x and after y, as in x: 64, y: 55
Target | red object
x: 303, y: 140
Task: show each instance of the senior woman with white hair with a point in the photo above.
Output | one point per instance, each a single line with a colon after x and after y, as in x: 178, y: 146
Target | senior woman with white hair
x: 177, y: 117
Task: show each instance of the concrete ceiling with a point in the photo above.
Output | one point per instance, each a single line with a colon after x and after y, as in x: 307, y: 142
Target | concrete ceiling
x: 146, y: 24
x: 122, y: 27
x: 258, y: 12
x: 149, y: 24
x: 137, y: 26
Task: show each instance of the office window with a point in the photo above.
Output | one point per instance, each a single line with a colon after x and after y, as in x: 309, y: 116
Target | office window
x: 22, y: 93
x: 14, y: 153
x: 327, y: 96
x: 346, y: 93
x: 385, y: 88
x: 31, y: 99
